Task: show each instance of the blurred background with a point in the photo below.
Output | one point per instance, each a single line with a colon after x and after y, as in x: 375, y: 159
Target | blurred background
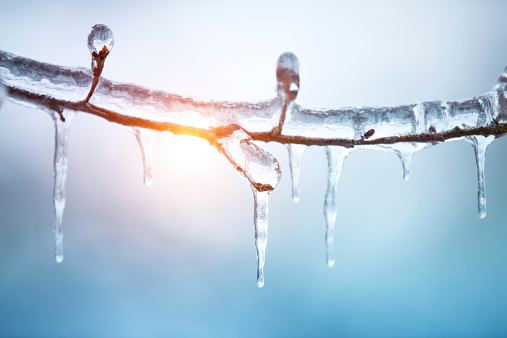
x: 178, y: 258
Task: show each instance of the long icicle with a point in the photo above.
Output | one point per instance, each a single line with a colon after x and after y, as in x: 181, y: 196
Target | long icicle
x: 335, y: 158
x: 261, y: 203
x: 62, y: 123
x: 480, y: 144
x: 295, y: 154
x: 146, y: 139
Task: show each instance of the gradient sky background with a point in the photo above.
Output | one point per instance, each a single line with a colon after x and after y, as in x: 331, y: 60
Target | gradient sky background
x: 178, y: 258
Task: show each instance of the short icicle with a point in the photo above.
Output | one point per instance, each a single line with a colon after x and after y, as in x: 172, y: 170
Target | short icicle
x: 62, y: 123
x: 405, y: 151
x: 261, y: 201
x: 480, y: 144
x: 406, y: 160
x: 335, y: 158
x: 146, y: 139
x: 295, y: 154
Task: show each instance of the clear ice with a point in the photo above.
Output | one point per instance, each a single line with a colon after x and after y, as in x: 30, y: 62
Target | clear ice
x: 480, y: 144
x: 3, y: 93
x: 262, y: 171
x: 405, y: 151
x: 335, y: 158
x: 261, y: 203
x: 62, y: 123
x: 146, y: 139
x: 100, y: 36
x: 40, y: 82
x: 295, y: 154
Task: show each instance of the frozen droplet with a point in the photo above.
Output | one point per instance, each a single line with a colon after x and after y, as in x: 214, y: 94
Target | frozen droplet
x: 62, y: 122
x: 480, y: 144
x: 261, y: 203
x: 295, y: 154
x: 146, y: 139
x: 287, y: 74
x: 335, y: 157
x: 100, y: 36
x: 257, y: 166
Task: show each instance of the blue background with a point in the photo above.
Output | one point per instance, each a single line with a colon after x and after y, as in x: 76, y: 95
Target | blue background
x: 178, y: 258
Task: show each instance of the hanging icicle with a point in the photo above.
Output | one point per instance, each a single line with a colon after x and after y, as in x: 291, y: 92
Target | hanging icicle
x: 335, y: 158
x: 261, y: 203
x: 295, y: 154
x: 146, y: 139
x: 62, y: 121
x: 480, y: 144
x: 262, y: 171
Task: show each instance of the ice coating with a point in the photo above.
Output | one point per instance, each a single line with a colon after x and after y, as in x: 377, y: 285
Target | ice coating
x: 73, y: 84
x: 480, y: 144
x: 335, y: 158
x: 353, y: 122
x: 295, y: 154
x: 255, y: 164
x: 261, y: 203
x: 62, y: 122
x: 146, y: 139
x: 100, y: 36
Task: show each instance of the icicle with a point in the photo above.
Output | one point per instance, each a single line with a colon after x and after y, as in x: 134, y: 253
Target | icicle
x: 62, y: 123
x: 295, y: 154
x: 335, y: 158
x: 480, y: 144
x: 146, y: 139
x: 262, y: 171
x: 3, y: 93
x: 405, y: 151
x: 261, y: 200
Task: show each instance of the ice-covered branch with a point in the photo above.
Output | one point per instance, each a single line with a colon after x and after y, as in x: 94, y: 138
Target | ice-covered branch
x: 232, y: 127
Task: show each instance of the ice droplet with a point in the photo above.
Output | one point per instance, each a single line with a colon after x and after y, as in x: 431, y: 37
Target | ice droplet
x: 480, y: 144
x: 62, y: 123
x: 335, y: 157
x: 261, y: 203
x: 257, y: 166
x: 100, y: 36
x: 146, y: 139
x: 287, y: 74
x: 295, y: 154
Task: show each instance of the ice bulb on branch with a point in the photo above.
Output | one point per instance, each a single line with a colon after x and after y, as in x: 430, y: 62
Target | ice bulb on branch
x: 287, y: 75
x: 100, y: 40
x: 100, y: 44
